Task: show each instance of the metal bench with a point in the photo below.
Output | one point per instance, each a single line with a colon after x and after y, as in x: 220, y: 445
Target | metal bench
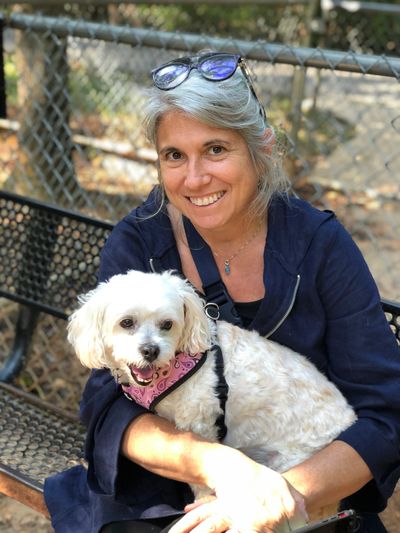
x: 47, y: 257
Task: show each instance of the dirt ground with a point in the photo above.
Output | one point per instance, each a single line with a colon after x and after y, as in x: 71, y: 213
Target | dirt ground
x: 16, y: 518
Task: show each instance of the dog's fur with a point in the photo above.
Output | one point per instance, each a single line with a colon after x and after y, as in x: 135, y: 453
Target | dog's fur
x: 280, y: 408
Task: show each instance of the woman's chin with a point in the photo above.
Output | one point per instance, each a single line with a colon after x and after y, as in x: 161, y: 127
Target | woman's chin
x: 206, y: 222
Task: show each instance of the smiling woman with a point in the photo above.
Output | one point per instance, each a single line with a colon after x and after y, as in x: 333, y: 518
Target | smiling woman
x: 222, y: 217
x: 209, y: 177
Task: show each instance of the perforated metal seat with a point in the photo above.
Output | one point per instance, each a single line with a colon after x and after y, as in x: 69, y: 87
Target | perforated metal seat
x: 36, y: 441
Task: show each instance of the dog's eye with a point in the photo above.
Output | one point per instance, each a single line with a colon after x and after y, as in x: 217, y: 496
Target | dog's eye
x: 127, y: 323
x: 166, y: 325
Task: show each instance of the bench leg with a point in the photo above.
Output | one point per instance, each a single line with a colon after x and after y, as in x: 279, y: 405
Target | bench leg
x: 26, y: 323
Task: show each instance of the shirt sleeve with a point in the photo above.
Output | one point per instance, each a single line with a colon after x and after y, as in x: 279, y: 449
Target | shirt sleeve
x: 364, y: 362
x: 123, y: 251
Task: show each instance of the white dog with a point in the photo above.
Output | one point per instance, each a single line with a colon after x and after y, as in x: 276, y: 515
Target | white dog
x: 280, y: 408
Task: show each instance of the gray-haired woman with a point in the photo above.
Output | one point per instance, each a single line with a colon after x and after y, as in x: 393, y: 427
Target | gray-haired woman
x: 293, y: 274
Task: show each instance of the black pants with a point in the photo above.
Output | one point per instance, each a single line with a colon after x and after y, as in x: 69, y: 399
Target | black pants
x: 370, y: 523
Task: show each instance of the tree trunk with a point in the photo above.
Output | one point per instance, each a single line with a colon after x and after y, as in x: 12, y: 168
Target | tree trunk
x: 46, y: 168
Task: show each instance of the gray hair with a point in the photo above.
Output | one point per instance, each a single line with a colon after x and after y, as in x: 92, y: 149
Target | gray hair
x: 225, y: 104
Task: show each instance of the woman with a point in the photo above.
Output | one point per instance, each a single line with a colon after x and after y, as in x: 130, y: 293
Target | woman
x: 294, y: 274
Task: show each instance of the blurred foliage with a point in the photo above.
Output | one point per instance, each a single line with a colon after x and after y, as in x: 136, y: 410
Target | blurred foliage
x: 275, y: 23
x: 363, y: 32
x: 360, y: 31
x: 11, y: 75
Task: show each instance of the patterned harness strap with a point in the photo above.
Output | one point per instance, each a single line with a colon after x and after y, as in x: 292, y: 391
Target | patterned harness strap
x: 169, y: 377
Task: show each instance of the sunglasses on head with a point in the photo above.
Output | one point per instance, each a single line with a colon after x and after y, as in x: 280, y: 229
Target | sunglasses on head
x: 215, y: 66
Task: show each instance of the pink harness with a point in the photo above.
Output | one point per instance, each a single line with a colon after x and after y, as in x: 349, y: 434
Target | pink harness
x: 166, y: 379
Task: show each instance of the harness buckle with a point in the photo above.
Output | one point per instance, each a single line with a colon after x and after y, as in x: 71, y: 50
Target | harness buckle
x: 211, y: 310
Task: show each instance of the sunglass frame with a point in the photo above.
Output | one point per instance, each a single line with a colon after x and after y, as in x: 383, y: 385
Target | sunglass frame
x: 195, y: 62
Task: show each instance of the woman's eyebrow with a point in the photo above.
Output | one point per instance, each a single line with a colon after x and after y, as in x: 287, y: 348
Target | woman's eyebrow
x: 167, y: 149
x: 217, y: 141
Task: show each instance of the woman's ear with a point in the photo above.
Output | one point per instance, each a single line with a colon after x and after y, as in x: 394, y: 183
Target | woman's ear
x: 269, y: 140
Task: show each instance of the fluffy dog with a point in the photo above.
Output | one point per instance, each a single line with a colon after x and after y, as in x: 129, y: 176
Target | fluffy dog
x: 280, y: 408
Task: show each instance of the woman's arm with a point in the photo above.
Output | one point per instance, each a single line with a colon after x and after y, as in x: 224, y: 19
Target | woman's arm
x: 249, y: 495
x: 330, y: 475
x: 156, y: 445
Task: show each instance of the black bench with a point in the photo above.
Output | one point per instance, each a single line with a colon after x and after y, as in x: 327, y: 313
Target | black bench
x: 47, y: 257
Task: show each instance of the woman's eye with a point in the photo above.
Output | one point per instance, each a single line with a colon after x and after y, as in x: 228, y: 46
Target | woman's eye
x: 166, y: 325
x: 174, y: 156
x: 216, y: 150
x: 127, y: 323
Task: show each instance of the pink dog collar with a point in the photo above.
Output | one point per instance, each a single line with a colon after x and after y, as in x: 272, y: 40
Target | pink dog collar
x: 166, y: 379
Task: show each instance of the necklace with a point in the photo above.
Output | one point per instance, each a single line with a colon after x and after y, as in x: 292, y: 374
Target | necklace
x: 227, y: 262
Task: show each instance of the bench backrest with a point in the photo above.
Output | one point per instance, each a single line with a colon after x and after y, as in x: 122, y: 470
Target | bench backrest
x: 49, y: 255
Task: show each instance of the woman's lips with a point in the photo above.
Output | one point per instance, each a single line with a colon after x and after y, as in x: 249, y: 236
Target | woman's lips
x: 206, y: 200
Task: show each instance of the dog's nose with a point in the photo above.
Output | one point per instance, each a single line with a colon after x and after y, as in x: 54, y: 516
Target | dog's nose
x: 150, y: 351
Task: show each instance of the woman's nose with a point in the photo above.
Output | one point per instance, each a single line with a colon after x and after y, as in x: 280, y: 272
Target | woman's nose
x: 197, y: 174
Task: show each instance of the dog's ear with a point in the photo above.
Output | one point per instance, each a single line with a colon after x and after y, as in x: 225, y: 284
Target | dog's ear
x: 85, y: 329
x: 196, y: 333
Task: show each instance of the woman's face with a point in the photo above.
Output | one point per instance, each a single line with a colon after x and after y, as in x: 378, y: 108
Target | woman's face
x: 207, y: 172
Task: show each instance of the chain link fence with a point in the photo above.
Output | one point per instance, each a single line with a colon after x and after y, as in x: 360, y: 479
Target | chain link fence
x: 71, y: 130
x: 365, y: 27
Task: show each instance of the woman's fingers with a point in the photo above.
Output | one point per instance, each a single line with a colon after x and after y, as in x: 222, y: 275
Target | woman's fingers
x: 215, y: 517
x: 213, y: 524
x: 201, y: 516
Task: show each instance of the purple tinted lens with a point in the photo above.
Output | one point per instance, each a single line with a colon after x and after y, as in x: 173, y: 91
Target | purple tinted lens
x: 218, y: 67
x: 170, y: 76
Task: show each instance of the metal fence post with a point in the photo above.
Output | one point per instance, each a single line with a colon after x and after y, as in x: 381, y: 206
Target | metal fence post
x: 299, y: 75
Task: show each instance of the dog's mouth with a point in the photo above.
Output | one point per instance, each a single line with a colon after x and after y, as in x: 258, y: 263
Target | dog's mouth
x: 142, y: 376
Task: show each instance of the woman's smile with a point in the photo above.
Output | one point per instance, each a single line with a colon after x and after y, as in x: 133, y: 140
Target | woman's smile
x: 206, y: 200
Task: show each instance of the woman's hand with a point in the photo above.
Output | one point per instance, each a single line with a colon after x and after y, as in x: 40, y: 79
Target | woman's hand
x: 249, y: 498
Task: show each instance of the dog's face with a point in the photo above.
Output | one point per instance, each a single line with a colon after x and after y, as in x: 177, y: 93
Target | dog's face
x: 137, y: 322
x: 143, y: 326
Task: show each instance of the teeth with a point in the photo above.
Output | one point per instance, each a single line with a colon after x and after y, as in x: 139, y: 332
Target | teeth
x: 141, y: 381
x: 144, y: 381
x: 207, y: 200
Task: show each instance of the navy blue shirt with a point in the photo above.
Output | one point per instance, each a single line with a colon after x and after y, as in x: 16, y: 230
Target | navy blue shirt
x: 320, y: 300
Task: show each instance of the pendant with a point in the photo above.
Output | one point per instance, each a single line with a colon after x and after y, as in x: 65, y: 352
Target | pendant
x: 227, y: 266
